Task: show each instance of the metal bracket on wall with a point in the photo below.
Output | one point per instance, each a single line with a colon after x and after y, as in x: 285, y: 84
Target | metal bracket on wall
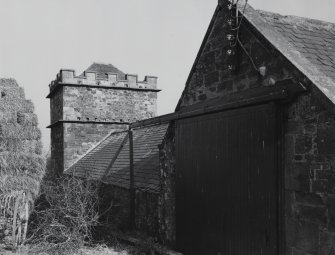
x: 293, y: 89
x: 58, y: 122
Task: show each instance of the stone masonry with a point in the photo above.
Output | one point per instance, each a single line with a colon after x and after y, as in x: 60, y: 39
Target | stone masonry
x: 309, y: 177
x: 308, y: 134
x: 210, y: 77
x: 86, y: 108
x: 21, y: 161
x: 166, y: 199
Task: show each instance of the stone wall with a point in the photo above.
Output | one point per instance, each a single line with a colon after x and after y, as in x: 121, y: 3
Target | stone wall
x: 210, y: 76
x: 309, y: 137
x: 80, y: 101
x: 18, y: 123
x: 310, y: 177
x: 57, y: 151
x: 80, y: 137
x: 166, y: 202
x: 21, y: 162
x: 117, y: 217
x: 146, y: 215
x: 101, y: 104
x: 56, y: 106
x: 115, y: 202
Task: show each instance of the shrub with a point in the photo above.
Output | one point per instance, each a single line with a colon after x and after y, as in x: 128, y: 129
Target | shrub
x: 64, y: 216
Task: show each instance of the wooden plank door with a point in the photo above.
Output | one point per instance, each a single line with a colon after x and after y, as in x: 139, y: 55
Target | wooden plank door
x: 227, y: 183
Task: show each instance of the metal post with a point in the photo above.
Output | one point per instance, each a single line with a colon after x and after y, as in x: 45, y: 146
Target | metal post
x: 132, y: 186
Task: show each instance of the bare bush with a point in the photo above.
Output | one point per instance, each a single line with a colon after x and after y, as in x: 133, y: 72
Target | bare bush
x: 64, y: 216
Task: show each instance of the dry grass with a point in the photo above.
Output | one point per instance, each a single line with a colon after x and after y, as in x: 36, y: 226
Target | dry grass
x: 102, y: 250
x: 97, y: 250
x: 64, y: 216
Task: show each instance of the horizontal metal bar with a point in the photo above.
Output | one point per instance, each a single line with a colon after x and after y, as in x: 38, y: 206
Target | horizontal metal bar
x: 87, y: 122
x: 206, y: 109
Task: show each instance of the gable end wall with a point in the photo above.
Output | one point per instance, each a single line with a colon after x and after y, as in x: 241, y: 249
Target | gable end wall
x: 309, y: 135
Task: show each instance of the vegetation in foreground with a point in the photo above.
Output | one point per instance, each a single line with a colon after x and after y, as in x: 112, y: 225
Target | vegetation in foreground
x: 63, y: 221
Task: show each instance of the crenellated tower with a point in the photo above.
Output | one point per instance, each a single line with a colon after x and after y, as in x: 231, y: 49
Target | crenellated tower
x: 86, y: 108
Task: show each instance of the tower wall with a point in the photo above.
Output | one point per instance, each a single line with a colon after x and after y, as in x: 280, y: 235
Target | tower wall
x: 105, y: 104
x: 85, y: 109
x: 57, y: 135
x: 57, y: 150
x: 80, y: 137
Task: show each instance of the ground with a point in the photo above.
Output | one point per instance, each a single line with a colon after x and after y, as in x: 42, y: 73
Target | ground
x: 98, y: 250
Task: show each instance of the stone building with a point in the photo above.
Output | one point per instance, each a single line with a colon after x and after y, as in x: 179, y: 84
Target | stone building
x: 86, y: 108
x: 247, y: 162
x: 90, y: 138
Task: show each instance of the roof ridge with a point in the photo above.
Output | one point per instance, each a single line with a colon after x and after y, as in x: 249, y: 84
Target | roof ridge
x: 103, y: 63
x: 297, y: 19
x: 102, y: 69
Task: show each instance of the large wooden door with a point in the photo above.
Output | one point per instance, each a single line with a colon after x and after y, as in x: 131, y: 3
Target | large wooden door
x: 227, y: 183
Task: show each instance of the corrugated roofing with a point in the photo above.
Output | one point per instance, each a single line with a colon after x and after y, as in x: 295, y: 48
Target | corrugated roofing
x: 93, y: 165
x: 102, y: 69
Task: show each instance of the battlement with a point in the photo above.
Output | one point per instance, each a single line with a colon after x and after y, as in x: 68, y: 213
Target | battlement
x: 68, y: 76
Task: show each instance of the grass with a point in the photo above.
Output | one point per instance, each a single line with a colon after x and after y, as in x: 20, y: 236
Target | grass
x: 96, y: 250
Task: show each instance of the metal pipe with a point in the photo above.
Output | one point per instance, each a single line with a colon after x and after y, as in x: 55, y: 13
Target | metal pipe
x: 132, y: 184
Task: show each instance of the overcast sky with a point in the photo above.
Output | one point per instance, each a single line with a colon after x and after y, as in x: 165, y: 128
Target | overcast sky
x: 147, y: 37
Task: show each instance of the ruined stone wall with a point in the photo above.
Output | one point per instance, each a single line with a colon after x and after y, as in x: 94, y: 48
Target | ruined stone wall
x: 18, y: 123
x: 101, y: 104
x: 78, y: 138
x: 21, y: 162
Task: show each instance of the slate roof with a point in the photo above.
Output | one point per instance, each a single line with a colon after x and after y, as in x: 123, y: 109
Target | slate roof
x: 308, y: 44
x: 93, y: 164
x: 313, y: 38
x: 102, y: 69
